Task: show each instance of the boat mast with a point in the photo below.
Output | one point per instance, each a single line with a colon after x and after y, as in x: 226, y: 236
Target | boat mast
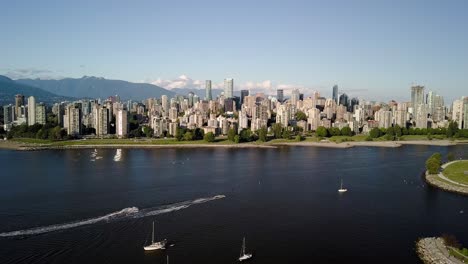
x: 341, y: 184
x: 243, y: 246
x: 152, y: 240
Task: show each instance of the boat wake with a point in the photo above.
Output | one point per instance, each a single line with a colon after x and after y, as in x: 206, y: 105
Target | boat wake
x: 130, y: 212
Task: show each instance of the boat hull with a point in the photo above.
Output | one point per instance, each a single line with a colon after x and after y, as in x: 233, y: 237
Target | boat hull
x: 156, y: 246
x: 245, y: 257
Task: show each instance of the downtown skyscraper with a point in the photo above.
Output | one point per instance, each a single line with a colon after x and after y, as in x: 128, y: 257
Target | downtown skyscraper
x: 228, y: 87
x: 208, y: 95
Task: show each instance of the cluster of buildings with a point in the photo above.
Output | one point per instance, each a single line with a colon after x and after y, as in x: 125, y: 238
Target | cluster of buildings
x: 23, y: 111
x: 253, y: 111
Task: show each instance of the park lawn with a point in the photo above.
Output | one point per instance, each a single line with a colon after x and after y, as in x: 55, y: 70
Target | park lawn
x: 360, y: 137
x: 339, y: 139
x: 420, y: 137
x: 32, y: 140
x: 456, y: 171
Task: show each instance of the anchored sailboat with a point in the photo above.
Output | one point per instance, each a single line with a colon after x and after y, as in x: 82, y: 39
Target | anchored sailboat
x: 156, y: 245
x: 341, y: 190
x: 243, y: 255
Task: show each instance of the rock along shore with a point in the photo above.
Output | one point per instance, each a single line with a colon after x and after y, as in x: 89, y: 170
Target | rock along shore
x: 432, y: 250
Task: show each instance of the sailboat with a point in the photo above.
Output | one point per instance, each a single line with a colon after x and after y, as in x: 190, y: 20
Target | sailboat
x: 341, y: 190
x: 243, y: 255
x: 118, y: 155
x: 156, y: 245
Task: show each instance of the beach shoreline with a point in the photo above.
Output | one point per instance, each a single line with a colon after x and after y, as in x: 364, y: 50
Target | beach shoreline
x: 16, y: 145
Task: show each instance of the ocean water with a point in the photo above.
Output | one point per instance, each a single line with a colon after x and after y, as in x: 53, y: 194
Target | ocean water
x: 86, y: 206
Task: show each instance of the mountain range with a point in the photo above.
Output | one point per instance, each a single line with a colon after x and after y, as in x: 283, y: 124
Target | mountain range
x: 9, y: 88
x: 97, y: 87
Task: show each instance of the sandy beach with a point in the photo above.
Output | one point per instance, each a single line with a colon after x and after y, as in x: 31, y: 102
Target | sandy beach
x: 14, y: 145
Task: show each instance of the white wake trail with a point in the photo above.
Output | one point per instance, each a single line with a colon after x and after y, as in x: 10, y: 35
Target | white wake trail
x: 131, y: 212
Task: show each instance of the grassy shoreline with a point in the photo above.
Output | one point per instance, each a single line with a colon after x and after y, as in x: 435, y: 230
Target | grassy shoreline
x: 455, y: 174
x: 333, y: 142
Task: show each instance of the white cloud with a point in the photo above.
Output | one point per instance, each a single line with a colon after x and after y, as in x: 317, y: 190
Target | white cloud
x: 267, y: 86
x: 23, y: 73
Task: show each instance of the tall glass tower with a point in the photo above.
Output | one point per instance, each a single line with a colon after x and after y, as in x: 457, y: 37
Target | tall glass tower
x: 208, y: 95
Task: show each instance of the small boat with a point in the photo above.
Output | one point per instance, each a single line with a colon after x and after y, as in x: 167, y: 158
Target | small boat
x: 341, y: 190
x: 156, y: 245
x: 243, y: 255
x: 118, y: 155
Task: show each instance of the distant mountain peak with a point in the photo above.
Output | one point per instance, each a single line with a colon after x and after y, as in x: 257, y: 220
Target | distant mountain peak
x: 5, y: 79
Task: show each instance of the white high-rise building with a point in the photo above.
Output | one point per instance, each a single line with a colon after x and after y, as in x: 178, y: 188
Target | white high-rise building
x: 165, y: 103
x: 228, y: 88
x: 101, y: 120
x: 121, y: 123
x: 72, y: 120
x: 294, y: 97
x: 421, y: 116
x: 31, y: 110
x: 417, y: 98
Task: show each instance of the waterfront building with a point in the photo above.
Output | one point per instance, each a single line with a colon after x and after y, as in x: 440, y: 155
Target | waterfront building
x: 31, y: 110
x: 228, y: 87
x: 465, y: 113
x: 121, y: 125
x: 8, y: 114
x: 40, y: 116
x: 400, y: 117
x: 101, y: 120
x: 421, y: 116
x: 283, y: 115
x: 417, y: 98
x: 72, y: 119
x: 457, y: 112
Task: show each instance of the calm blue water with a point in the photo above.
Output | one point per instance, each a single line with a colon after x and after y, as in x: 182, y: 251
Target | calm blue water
x: 284, y: 201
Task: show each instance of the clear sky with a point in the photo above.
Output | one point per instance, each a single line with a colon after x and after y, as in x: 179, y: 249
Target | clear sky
x: 370, y: 48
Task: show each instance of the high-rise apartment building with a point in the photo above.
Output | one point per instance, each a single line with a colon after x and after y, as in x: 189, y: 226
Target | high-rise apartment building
x: 101, y: 120
x: 72, y: 119
x: 295, y: 97
x: 31, y: 111
x: 8, y: 114
x: 417, y: 98
x: 40, y: 114
x: 228, y: 88
x: 121, y: 123
x: 19, y: 103
x: 208, y: 95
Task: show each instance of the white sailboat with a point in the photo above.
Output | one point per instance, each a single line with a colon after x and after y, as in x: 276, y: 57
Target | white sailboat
x: 341, y: 190
x: 118, y: 155
x: 156, y: 245
x: 243, y: 255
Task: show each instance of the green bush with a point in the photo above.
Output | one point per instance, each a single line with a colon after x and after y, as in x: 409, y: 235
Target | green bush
x: 298, y: 138
x: 237, y: 139
x: 432, y: 165
x: 209, y: 137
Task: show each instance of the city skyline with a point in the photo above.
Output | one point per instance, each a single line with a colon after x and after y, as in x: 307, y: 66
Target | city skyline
x: 367, y: 46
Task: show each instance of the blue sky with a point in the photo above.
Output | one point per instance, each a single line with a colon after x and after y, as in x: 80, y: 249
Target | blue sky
x: 370, y: 48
